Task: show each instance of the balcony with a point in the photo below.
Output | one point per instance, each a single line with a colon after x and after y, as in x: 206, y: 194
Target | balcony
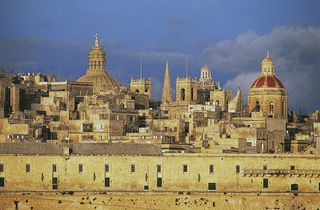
x: 280, y: 173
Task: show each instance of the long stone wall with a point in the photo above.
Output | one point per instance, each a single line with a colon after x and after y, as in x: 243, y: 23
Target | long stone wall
x: 177, y: 172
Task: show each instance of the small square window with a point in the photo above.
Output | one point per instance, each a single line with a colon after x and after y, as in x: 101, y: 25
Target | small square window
x: 28, y: 168
x: 292, y: 168
x: 185, y: 168
x: 106, y: 168
x: 237, y: 169
x: 211, y: 186
x: 1, y: 168
x: 159, y: 168
x: 146, y: 187
x: 133, y: 168
x: 80, y: 169
x: 211, y: 169
x: 294, y: 187
x: 265, y: 167
x: 54, y: 168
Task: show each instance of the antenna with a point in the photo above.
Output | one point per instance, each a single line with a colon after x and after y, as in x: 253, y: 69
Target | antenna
x: 141, y: 60
x: 186, y: 66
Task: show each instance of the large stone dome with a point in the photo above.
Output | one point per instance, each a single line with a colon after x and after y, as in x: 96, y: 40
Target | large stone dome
x: 97, y: 74
x: 267, y: 93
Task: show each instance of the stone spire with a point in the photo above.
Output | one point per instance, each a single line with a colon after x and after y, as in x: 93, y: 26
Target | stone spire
x: 166, y: 91
x: 235, y: 105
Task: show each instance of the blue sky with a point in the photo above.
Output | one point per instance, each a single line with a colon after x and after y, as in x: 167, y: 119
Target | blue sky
x: 230, y: 36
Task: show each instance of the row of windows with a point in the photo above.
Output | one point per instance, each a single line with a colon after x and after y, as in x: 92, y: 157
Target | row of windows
x: 133, y: 168
x: 211, y: 185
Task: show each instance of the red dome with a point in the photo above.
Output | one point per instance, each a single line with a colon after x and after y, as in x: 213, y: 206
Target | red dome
x: 267, y: 81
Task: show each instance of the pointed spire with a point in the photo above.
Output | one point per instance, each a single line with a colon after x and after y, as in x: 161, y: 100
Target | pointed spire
x: 96, y: 42
x: 268, y: 54
x: 166, y: 91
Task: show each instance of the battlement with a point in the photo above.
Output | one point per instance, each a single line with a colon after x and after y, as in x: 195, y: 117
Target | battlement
x: 187, y: 79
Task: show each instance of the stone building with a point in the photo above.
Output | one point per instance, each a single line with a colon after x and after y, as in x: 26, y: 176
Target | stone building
x: 141, y: 86
x: 135, y: 167
x: 267, y: 94
x: 186, y: 90
x: 97, y: 73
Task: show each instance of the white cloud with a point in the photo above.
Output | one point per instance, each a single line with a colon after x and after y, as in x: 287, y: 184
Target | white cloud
x: 295, y: 50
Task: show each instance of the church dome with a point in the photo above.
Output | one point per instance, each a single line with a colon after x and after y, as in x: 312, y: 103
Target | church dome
x: 96, y: 72
x: 267, y: 77
x: 267, y: 81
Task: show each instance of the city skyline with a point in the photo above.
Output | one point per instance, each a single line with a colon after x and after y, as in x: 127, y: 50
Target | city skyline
x: 53, y: 38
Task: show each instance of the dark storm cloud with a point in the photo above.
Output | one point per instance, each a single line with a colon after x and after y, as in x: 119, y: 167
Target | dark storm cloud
x: 295, y: 50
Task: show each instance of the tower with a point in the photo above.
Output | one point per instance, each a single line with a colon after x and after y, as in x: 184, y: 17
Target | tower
x: 166, y: 91
x: 205, y: 74
x: 141, y: 85
x: 267, y: 94
x: 97, y: 73
x: 186, y: 90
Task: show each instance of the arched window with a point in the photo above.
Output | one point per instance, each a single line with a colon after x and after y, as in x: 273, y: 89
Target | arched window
x: 217, y: 102
x: 95, y: 65
x: 182, y: 94
x: 257, y: 107
x: 271, y: 107
x: 146, y: 90
x: 99, y: 64
x: 137, y: 91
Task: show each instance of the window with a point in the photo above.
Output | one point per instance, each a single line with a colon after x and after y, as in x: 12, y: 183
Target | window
x: 146, y: 187
x: 54, y: 183
x: 133, y: 168
x: 159, y: 168
x: 294, y: 187
x: 292, y: 168
x: 185, y: 168
x: 106, y: 168
x: 271, y: 107
x: 54, y: 168
x: 182, y: 94
x: 237, y: 169
x: 107, y: 181
x: 1, y: 168
x: 1, y: 181
x: 283, y: 108
x: 80, y: 169
x: 159, y: 182
x: 265, y: 183
x: 211, y: 169
x: 211, y: 186
x: 191, y: 94
x: 28, y: 168
x: 257, y: 108
x: 265, y: 167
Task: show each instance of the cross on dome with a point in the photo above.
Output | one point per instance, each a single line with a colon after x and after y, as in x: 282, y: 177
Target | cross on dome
x: 96, y: 42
